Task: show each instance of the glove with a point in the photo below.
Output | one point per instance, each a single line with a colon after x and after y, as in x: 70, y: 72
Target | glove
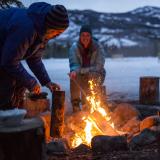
x: 53, y: 86
x: 36, y: 89
x: 72, y: 75
x: 84, y: 70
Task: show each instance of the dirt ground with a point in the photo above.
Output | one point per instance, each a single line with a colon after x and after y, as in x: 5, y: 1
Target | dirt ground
x: 151, y: 152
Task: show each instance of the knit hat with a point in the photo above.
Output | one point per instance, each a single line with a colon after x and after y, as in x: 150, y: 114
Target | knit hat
x: 86, y: 28
x: 57, y: 18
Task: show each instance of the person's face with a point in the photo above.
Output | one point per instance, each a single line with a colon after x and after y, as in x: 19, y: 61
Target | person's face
x: 85, y: 38
x: 51, y: 33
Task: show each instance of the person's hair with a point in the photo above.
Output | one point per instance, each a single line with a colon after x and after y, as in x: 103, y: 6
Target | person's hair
x: 86, y: 28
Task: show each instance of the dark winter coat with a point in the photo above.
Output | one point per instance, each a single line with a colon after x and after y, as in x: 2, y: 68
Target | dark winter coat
x: 22, y: 38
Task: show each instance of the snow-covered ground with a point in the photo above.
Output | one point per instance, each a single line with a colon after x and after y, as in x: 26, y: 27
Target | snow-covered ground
x: 122, y: 79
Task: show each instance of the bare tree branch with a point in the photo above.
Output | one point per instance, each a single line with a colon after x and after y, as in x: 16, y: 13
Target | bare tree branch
x: 8, y: 3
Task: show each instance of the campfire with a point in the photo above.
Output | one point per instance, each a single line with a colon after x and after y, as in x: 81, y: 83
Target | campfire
x: 100, y: 127
x: 93, y: 120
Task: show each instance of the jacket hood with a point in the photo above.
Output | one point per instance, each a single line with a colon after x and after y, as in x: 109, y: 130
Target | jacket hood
x: 37, y: 12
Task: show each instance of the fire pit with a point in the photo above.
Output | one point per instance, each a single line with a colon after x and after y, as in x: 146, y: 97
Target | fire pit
x: 100, y: 128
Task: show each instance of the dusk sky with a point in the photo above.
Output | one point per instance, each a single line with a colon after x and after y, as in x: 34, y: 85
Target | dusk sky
x: 101, y: 5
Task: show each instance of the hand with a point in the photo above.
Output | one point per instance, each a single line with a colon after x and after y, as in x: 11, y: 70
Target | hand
x: 53, y: 86
x: 84, y: 70
x: 36, y: 89
x: 72, y: 75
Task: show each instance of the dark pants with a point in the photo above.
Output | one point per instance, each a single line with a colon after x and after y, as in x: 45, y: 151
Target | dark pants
x: 79, y: 95
x: 11, y: 92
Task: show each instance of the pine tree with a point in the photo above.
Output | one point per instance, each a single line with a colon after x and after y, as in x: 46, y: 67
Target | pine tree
x: 8, y: 3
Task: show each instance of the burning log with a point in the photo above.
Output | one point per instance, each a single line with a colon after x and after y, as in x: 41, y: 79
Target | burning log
x: 103, y: 94
x: 104, y: 127
x: 105, y: 144
x: 57, y: 115
x: 149, y: 90
x: 23, y: 142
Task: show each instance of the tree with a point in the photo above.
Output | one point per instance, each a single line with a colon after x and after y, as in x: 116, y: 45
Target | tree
x: 8, y: 3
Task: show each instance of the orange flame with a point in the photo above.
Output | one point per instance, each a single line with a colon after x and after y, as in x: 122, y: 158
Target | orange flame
x: 93, y: 125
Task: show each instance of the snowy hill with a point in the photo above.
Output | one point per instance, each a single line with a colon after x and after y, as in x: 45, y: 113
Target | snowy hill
x: 137, y: 28
x: 147, y: 11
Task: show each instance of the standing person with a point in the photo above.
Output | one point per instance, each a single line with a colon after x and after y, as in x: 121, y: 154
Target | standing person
x: 86, y: 58
x: 24, y: 34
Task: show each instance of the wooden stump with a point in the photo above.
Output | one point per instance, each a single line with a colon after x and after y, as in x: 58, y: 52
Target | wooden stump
x: 149, y: 90
x: 57, y: 115
x: 103, y: 94
x: 23, y: 142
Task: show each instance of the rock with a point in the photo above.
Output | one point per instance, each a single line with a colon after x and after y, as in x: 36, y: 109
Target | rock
x: 132, y: 126
x: 123, y: 113
x: 57, y: 147
x: 82, y: 149
x: 146, y: 137
x: 149, y: 122
x: 105, y: 144
x: 111, y: 106
x: 147, y: 110
x: 155, y: 128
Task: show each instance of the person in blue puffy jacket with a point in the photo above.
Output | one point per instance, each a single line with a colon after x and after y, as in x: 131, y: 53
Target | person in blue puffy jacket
x: 24, y: 33
x: 86, y: 60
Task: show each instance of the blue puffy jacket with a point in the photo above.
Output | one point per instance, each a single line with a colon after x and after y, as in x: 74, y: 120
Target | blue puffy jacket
x: 22, y: 38
x: 97, y: 58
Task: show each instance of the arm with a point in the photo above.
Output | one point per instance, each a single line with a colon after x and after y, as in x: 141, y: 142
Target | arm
x: 73, y: 59
x: 15, y: 47
x: 37, y: 67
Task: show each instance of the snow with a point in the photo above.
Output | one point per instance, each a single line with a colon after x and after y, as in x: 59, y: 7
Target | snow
x: 127, y: 42
x: 107, y: 30
x: 104, y: 30
x: 128, y: 19
x: 157, y: 16
x: 147, y: 11
x: 121, y: 42
x: 11, y: 112
x: 152, y: 25
x: 102, y: 18
x: 12, y: 117
x: 104, y: 38
x: 122, y: 78
x: 71, y: 32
